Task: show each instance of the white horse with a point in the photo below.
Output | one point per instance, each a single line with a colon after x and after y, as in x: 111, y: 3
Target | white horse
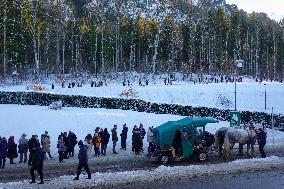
x: 219, y: 139
x: 242, y: 137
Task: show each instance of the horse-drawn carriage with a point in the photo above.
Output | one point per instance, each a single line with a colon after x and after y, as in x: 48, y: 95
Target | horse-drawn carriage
x: 181, y: 139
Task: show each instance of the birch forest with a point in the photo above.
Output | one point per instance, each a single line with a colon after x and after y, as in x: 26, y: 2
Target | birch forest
x: 40, y: 38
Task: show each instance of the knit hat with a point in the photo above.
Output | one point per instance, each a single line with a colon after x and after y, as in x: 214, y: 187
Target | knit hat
x: 24, y: 135
x: 80, y: 143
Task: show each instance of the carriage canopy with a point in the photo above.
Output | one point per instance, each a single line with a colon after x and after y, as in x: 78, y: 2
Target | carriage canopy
x: 164, y: 134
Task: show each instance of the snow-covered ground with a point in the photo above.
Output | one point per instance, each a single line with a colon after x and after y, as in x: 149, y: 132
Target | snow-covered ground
x: 160, y: 174
x: 250, y: 95
x: 18, y: 119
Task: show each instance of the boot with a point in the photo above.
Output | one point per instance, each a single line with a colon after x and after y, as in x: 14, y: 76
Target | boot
x: 31, y: 182
x: 89, y: 177
x: 41, y: 182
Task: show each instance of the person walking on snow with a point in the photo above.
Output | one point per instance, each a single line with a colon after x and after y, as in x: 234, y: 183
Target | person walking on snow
x: 83, y: 161
x: 23, y: 148
x: 114, y: 138
x: 37, y: 164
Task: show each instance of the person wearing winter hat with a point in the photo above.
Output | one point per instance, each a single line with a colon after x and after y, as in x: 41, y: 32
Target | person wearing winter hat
x: 23, y: 148
x: 83, y: 161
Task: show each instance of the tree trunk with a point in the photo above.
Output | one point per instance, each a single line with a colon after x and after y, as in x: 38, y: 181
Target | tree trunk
x: 4, y: 41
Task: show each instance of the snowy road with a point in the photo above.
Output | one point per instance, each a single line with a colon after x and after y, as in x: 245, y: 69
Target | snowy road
x: 272, y: 179
x: 124, y: 163
x: 164, y: 177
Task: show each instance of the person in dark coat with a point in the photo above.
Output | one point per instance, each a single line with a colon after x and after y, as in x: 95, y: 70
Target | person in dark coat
x: 12, y: 150
x: 261, y: 140
x: 83, y: 161
x: 104, y: 141
x: 123, y: 137
x: 73, y: 140
x: 33, y: 144
x: 136, y: 140
x: 114, y: 138
x: 143, y: 133
x: 23, y: 148
x: 37, y: 164
x: 3, y: 152
x: 177, y: 143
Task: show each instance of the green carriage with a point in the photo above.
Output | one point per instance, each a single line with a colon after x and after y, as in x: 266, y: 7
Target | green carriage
x: 193, y: 140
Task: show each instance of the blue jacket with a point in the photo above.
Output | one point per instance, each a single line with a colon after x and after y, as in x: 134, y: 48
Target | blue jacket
x: 83, y: 156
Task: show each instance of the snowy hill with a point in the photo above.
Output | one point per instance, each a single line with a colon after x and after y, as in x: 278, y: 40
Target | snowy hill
x: 250, y: 95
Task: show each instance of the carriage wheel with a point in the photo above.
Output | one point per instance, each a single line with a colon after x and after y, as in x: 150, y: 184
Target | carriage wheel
x: 165, y: 159
x: 202, y: 156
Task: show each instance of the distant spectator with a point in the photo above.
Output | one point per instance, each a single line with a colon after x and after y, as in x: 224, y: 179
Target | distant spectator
x: 73, y: 84
x: 3, y: 152
x: 69, y: 85
x: 104, y: 141
x: 146, y: 82
x: 52, y: 86
x: 61, y: 148
x: 114, y: 138
x: 123, y: 136
x: 23, y: 148
x: 62, y: 83
x: 12, y: 150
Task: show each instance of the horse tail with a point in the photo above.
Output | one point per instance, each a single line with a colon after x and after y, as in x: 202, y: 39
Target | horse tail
x: 226, y: 143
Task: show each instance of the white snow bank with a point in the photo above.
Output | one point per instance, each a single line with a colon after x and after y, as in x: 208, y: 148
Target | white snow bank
x: 160, y: 174
x: 250, y: 95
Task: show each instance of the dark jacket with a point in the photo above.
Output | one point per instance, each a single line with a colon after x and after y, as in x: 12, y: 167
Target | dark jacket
x: 73, y: 139
x: 83, y: 156
x: 37, y: 159
x: 124, y: 132
x: 104, y: 137
x: 3, y: 148
x: 143, y: 132
x: 114, y: 135
x: 33, y: 144
x: 261, y: 138
x: 12, y: 150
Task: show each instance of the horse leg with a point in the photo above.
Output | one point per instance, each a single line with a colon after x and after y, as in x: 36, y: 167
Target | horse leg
x: 241, y: 147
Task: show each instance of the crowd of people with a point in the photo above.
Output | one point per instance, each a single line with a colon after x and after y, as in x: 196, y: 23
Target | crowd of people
x: 94, y: 145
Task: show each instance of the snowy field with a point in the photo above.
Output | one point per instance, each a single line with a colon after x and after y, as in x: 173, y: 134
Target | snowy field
x: 17, y: 119
x: 250, y: 95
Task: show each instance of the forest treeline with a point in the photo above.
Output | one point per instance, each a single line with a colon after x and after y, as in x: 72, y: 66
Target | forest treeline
x: 43, y: 37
